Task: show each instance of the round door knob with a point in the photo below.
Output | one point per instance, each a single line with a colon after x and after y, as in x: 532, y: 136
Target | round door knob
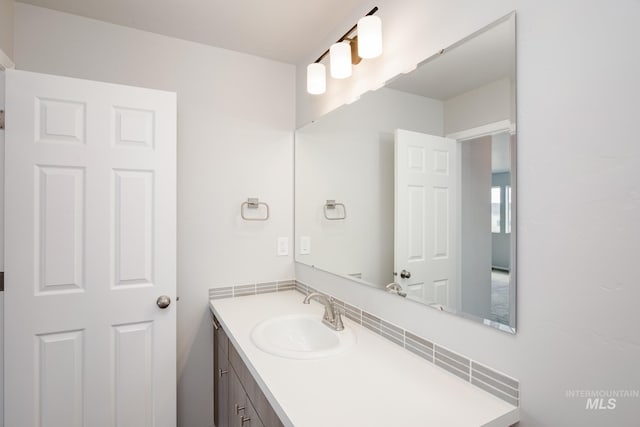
x: 405, y: 274
x: 163, y: 301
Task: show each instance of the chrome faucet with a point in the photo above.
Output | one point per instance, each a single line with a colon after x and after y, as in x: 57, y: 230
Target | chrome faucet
x: 395, y: 288
x: 332, y: 316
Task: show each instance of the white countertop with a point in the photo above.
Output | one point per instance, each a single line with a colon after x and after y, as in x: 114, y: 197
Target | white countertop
x: 375, y: 383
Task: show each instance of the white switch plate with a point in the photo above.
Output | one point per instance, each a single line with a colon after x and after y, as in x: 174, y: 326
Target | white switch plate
x: 305, y: 245
x: 283, y: 246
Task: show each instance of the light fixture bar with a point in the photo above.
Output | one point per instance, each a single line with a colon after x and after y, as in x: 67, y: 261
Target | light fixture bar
x: 344, y: 37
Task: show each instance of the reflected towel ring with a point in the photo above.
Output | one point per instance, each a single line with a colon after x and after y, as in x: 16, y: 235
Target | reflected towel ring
x: 253, y: 203
x: 331, y: 205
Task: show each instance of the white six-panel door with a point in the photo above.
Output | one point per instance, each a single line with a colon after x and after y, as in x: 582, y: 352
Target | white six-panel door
x: 426, y: 192
x: 90, y: 246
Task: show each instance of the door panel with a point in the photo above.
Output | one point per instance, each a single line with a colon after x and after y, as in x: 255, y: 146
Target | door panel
x: 59, y: 252
x: 134, y: 127
x: 415, y: 210
x: 90, y: 236
x: 133, y: 356
x: 60, y: 121
x: 60, y: 378
x: 133, y: 215
x: 441, y: 212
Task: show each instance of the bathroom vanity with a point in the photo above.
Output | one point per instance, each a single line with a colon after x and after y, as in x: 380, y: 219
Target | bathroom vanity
x: 370, y: 382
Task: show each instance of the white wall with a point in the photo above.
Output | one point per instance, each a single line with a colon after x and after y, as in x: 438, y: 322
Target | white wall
x: 6, y: 29
x: 483, y: 105
x: 578, y: 197
x: 235, y: 140
x: 348, y: 156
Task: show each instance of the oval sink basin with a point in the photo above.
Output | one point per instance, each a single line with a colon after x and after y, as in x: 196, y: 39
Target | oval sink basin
x: 300, y: 336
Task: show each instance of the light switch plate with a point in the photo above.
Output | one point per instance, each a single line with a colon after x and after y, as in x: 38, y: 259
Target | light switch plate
x: 305, y: 245
x: 283, y: 246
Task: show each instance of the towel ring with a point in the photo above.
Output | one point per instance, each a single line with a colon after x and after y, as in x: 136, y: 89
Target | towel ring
x: 331, y: 205
x: 253, y: 203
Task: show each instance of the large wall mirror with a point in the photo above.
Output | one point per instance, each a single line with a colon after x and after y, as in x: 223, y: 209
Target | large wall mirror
x: 412, y: 188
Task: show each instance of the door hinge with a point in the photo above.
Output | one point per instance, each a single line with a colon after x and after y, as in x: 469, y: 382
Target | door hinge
x: 1, y: 119
x: 1, y: 281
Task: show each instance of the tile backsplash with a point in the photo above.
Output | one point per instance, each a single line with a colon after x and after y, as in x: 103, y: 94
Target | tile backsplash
x: 251, y: 289
x: 490, y: 380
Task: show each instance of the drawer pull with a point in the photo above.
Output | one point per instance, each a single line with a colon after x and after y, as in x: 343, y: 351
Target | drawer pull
x: 221, y: 373
x: 238, y: 409
x: 244, y: 419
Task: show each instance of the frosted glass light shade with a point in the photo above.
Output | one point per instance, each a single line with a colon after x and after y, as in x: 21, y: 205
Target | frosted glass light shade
x: 369, y: 37
x: 340, y: 57
x: 316, y: 79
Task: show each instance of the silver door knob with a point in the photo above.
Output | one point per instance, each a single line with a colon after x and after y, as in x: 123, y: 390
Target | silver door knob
x: 163, y: 301
x: 405, y: 274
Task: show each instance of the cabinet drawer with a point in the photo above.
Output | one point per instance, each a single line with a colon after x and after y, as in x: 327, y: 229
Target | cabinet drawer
x: 243, y: 414
x: 262, y: 406
x: 251, y: 417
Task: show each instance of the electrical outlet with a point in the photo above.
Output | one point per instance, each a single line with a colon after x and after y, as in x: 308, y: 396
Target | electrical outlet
x: 283, y: 246
x: 305, y: 245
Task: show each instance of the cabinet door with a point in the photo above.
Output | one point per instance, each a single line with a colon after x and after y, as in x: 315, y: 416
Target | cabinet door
x: 221, y: 379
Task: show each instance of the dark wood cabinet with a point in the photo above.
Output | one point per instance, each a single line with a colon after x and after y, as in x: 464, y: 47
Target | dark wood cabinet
x: 238, y: 401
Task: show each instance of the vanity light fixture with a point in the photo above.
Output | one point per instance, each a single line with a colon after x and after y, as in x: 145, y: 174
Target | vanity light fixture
x: 316, y: 78
x: 340, y: 60
x: 369, y: 37
x: 363, y: 40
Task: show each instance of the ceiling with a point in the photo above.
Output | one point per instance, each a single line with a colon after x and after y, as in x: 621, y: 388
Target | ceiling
x: 478, y: 60
x: 284, y: 30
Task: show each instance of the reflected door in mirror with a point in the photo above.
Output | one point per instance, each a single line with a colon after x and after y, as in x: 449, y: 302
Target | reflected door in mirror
x: 426, y: 208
